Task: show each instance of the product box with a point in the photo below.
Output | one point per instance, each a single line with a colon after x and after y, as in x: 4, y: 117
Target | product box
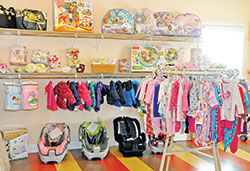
x: 165, y: 24
x: 73, y: 15
x: 143, y: 21
x: 146, y: 58
x: 16, y: 142
x: 197, y: 58
x: 189, y: 25
x: 118, y: 21
x: 105, y: 65
x: 73, y: 58
x: 124, y: 65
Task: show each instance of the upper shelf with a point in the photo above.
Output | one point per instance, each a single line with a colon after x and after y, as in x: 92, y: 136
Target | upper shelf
x: 62, y: 34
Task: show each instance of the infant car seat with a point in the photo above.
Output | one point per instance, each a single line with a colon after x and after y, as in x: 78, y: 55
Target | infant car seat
x: 93, y: 136
x: 156, y: 144
x: 53, y: 142
x: 128, y: 134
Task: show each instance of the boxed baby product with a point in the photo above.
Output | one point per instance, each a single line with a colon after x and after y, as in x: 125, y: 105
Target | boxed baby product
x: 105, y: 65
x: 73, y: 15
x: 16, y: 142
x: 148, y: 57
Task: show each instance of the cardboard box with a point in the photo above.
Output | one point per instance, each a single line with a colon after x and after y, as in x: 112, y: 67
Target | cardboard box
x: 16, y: 142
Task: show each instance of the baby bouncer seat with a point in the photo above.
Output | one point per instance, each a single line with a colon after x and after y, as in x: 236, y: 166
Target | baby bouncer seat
x: 132, y: 142
x: 53, y: 142
x: 94, y: 138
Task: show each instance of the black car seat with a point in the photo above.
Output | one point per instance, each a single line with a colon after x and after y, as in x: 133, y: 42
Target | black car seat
x: 128, y: 134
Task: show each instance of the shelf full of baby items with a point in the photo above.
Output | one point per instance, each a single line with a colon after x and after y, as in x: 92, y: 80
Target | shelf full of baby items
x: 62, y: 34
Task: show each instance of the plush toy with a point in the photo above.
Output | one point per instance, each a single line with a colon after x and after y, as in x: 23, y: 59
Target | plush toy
x: 143, y: 20
x: 80, y: 68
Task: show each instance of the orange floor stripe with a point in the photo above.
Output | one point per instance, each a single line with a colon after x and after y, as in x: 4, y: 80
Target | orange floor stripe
x: 229, y: 158
x: 246, y: 142
x: 68, y: 164
x: 177, y: 163
x: 111, y: 163
x: 38, y: 165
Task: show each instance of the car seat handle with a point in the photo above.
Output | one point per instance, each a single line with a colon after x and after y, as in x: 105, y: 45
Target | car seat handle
x: 80, y: 133
x: 41, y: 134
x: 69, y: 138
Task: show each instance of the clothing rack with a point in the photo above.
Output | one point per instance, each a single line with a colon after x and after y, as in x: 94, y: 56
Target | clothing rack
x: 169, y: 141
x: 70, y: 75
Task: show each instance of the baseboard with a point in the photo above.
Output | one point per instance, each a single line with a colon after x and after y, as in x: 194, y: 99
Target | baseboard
x: 73, y: 145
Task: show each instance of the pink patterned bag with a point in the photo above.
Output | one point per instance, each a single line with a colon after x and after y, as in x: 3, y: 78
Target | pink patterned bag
x: 30, y: 95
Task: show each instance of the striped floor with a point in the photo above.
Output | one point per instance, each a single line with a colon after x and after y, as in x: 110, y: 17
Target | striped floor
x: 116, y: 162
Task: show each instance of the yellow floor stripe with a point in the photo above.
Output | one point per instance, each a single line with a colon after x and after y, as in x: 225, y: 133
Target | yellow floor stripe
x: 68, y: 163
x: 240, y: 153
x: 193, y: 160
x: 132, y: 163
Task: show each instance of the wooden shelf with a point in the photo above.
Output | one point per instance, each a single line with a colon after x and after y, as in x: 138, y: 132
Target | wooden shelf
x: 61, y: 34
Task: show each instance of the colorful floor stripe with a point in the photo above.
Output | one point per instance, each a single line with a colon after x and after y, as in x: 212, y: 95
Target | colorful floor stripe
x: 132, y: 163
x: 228, y: 162
x: 84, y: 163
x: 193, y: 160
x: 175, y: 163
x: 240, y: 153
x: 68, y: 163
x: 111, y: 163
x: 116, y: 162
x: 152, y: 160
x: 37, y: 164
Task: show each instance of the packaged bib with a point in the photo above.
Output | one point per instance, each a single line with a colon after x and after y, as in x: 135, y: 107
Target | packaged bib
x: 72, y: 57
x: 12, y: 100
x: 40, y: 57
x: 18, y: 55
x: 54, y: 62
x: 29, y: 95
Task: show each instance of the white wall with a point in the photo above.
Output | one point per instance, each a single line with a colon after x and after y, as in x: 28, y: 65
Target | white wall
x: 216, y: 11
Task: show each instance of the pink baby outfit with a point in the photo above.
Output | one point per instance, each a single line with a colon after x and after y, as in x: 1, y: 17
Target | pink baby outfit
x: 29, y: 95
x: 51, y: 100
x: 173, y: 104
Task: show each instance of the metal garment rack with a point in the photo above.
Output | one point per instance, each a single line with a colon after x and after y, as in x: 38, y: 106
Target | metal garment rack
x: 71, y: 75
x: 169, y: 141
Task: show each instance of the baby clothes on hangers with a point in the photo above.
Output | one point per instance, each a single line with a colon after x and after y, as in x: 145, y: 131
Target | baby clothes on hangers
x: 51, y: 101
x: 91, y: 88
x: 63, y: 93
x: 84, y: 95
x: 74, y: 89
